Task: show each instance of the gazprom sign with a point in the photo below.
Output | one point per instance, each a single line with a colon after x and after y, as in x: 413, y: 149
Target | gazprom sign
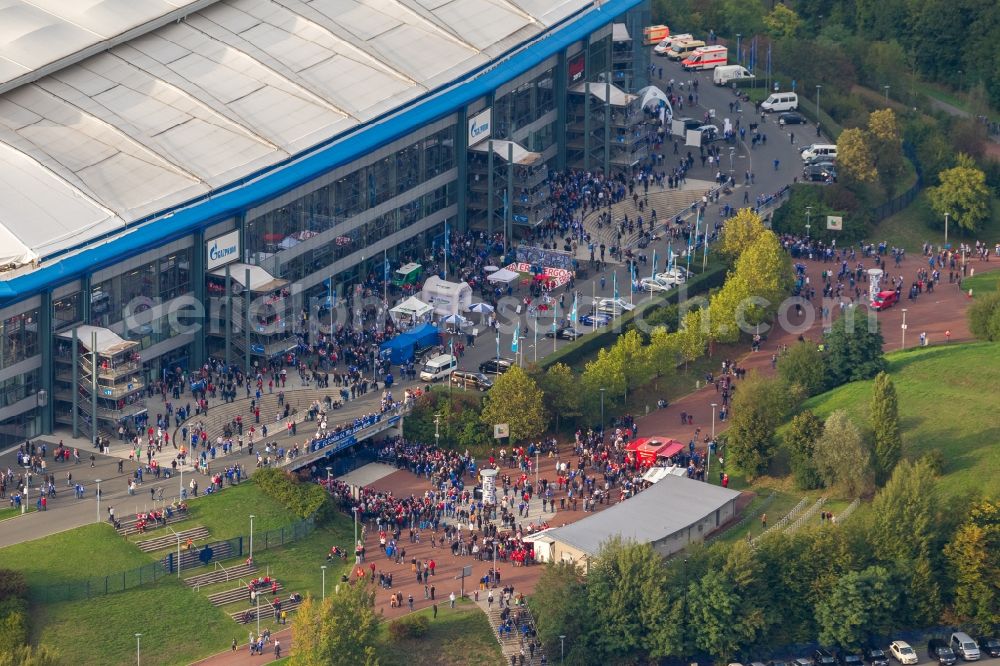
x: 222, y: 250
x: 480, y: 126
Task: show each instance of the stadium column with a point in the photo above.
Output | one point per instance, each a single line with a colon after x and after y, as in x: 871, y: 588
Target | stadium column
x: 508, y: 213
x: 586, y: 106
x: 462, y: 155
x: 48, y: 371
x: 561, y: 89
x: 607, y: 128
x: 198, y: 290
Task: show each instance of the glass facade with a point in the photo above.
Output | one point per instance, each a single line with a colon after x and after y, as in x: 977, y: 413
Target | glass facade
x: 159, y: 280
x: 19, y: 338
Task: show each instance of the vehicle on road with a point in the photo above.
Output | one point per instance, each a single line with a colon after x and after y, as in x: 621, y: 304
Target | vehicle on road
x: 875, y: 656
x: 408, y: 274
x: 438, y: 368
x: 566, y: 333
x: 939, y: 651
x: 655, y: 283
x: 820, y: 159
x: 723, y: 74
x: 964, y: 646
x: 819, y: 149
x: 786, y: 101
x: 496, y: 366
x: 903, y: 653
x: 664, y: 46
x: 820, y: 173
x: 654, y: 34
x: 850, y: 658
x: 884, y: 300
x: 707, y: 57
x: 823, y: 657
x: 681, y: 50
x: 675, y: 274
x: 990, y: 646
x: 471, y: 380
x: 791, y: 118
x: 614, y: 306
x: 595, y: 319
x: 709, y: 133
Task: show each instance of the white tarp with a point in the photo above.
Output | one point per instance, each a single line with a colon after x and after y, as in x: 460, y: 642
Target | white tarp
x: 652, y: 96
x: 619, y: 33
x: 412, y: 309
x: 504, y: 276
x: 447, y: 298
x: 605, y: 92
x: 654, y: 474
x: 509, y: 149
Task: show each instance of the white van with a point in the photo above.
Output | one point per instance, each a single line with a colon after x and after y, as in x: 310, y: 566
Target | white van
x: 963, y: 645
x: 664, y: 46
x: 438, y: 368
x: 784, y: 101
x: 819, y: 150
x: 681, y: 50
x: 726, y: 73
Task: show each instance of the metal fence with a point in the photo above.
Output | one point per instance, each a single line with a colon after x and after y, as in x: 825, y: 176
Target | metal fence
x: 900, y: 202
x: 204, y: 555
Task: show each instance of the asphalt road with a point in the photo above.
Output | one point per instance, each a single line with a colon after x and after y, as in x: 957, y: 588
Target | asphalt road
x: 66, y: 512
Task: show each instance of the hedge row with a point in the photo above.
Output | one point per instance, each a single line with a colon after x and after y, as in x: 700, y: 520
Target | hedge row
x: 302, y: 499
x: 13, y: 610
x: 588, y: 345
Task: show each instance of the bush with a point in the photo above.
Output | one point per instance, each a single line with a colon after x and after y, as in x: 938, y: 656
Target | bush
x: 13, y: 585
x: 984, y: 317
x: 415, y: 626
x: 13, y: 630
x: 302, y: 499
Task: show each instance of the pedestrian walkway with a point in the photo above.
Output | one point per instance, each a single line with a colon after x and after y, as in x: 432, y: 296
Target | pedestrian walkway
x: 518, y: 640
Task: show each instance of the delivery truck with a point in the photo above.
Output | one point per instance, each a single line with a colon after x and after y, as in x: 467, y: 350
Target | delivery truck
x: 707, y: 57
x: 726, y: 73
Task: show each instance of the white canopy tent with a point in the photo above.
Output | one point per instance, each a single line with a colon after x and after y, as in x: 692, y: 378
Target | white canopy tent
x: 512, y: 150
x: 447, y: 298
x: 411, y: 311
x: 504, y: 275
x: 606, y: 92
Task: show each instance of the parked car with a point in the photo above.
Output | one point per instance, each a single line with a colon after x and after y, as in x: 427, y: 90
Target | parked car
x: 709, y: 133
x: 802, y: 661
x: 819, y: 173
x: 875, y: 656
x: 778, y: 662
x: 791, y: 118
x: 614, y: 305
x: 964, y: 646
x: 903, y: 653
x: 884, y: 300
x: 471, y: 380
x: 939, y: 651
x: 655, y: 283
x: 823, y: 657
x: 595, y: 319
x: 850, y: 658
x: 496, y: 366
x: 990, y: 646
x: 820, y: 159
x: 567, y: 333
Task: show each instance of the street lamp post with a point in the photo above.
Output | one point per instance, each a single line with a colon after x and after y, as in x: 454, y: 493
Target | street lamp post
x: 886, y: 88
x: 98, y: 481
x: 808, y: 219
x: 903, y: 328
x: 602, y: 413
x: 818, y: 86
x: 251, y: 537
x: 946, y: 229
x: 562, y: 648
x: 739, y: 40
x: 138, y: 637
x: 536, y: 470
x: 437, y: 430
x: 354, y: 510
x: 329, y: 480
x: 708, y: 453
x: 323, y: 567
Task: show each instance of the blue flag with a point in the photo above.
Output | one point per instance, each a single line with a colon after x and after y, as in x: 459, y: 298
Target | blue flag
x: 653, y: 272
x: 614, y: 282
x: 517, y: 336
x: 498, y: 344
x: 447, y: 239
x: 572, y: 315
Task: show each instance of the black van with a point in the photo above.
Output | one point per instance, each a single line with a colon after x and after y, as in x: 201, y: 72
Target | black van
x: 471, y: 380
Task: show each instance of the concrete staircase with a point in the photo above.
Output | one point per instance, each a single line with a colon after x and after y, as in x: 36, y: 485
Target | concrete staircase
x: 511, y: 644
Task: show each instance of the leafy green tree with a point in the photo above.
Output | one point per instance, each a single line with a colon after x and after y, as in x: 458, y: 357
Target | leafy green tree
x: 853, y: 350
x: 756, y: 611
x: 341, y: 629
x: 663, y: 351
x: 758, y: 406
x: 887, y: 146
x: 803, y: 365
x: 562, y: 394
x: 516, y: 400
x: 984, y: 317
x: 740, y: 231
x: 559, y: 606
x: 693, y: 335
x: 888, y: 443
x: 782, y: 21
x: 854, y: 156
x: 974, y: 558
x: 32, y: 655
x: 800, y: 442
x: 625, y: 583
x: 841, y: 456
x: 713, y: 605
x: 861, y: 604
x: 962, y: 194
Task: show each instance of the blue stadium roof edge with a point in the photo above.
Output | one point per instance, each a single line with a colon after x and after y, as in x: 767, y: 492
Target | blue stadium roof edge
x: 182, y: 220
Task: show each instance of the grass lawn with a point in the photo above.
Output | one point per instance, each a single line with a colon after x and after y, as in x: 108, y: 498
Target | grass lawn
x: 457, y: 637
x: 909, y: 228
x: 13, y: 512
x: 778, y: 508
x: 84, y: 552
x: 984, y: 283
x: 177, y: 625
x: 946, y: 402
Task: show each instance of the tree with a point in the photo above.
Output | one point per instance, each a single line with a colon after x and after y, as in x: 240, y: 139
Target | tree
x: 740, y: 230
x: 800, y: 442
x: 841, y: 455
x: 341, y: 629
x: 516, y: 400
x: 758, y: 406
x: 31, y: 655
x: 559, y: 606
x: 766, y: 267
x: 860, y: 605
x: 561, y: 390
x: 693, y: 335
x: 782, y: 21
x: 853, y: 351
x: 974, y: 556
x: 984, y: 317
x: 962, y: 194
x: 663, y: 352
x: 887, y: 145
x: 803, y: 365
x: 854, y: 156
x: 887, y: 443
x: 713, y: 605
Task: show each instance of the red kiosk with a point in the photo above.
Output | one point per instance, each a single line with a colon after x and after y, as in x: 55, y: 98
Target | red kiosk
x: 646, y: 450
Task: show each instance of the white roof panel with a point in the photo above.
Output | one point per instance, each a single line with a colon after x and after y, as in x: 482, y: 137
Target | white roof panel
x: 114, y: 110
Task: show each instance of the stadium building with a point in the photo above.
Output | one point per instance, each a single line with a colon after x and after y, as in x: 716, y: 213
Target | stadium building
x: 162, y: 152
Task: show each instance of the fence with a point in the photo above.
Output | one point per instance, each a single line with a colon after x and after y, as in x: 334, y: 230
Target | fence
x: 239, y: 546
x: 900, y: 202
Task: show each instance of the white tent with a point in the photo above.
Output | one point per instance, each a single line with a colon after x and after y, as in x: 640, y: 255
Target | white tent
x: 651, y: 95
x: 504, y: 275
x: 446, y: 297
x: 412, y: 310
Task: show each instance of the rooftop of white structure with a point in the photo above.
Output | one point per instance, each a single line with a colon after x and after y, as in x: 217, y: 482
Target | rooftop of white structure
x: 112, y: 111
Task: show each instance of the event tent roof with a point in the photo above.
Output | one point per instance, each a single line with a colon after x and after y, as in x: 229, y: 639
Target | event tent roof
x: 108, y: 342
x: 504, y: 275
